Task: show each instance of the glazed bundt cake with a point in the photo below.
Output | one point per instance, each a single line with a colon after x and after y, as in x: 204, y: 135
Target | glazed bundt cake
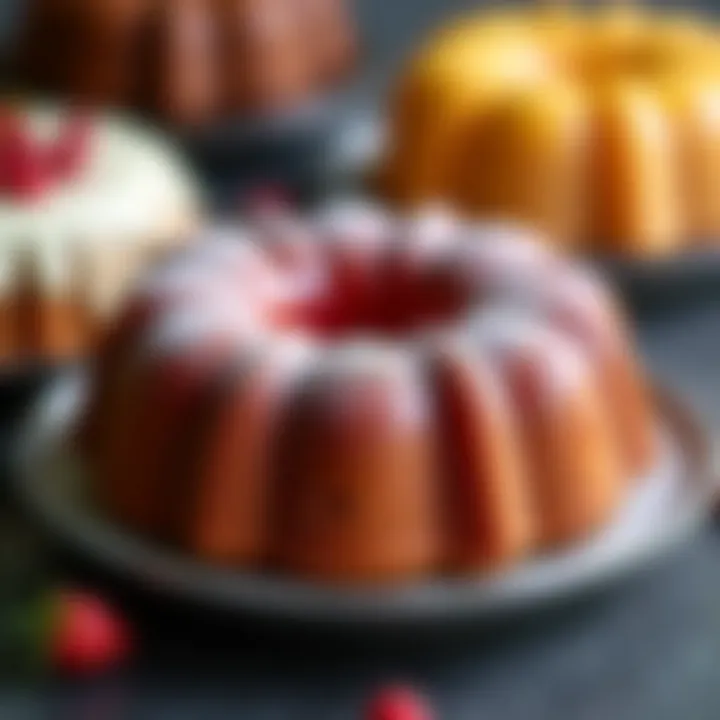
x: 361, y: 398
x: 187, y: 61
x: 602, y: 128
x: 87, y: 202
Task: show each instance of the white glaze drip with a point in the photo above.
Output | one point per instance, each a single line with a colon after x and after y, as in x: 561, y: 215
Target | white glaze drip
x: 514, y: 325
x: 506, y: 333
x: 353, y: 221
x: 432, y: 227
x: 214, y: 267
x: 132, y: 188
x: 190, y: 324
x: 362, y: 362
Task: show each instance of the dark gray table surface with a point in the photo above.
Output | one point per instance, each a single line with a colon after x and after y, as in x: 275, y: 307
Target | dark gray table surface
x: 649, y: 649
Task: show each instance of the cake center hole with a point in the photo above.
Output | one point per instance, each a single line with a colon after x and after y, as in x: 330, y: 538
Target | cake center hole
x: 392, y: 302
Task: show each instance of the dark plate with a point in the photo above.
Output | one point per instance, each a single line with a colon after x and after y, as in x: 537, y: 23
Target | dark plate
x: 664, y: 284
x: 665, y: 508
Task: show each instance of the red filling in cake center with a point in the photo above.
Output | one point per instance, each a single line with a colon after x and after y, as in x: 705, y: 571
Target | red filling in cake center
x: 392, y: 299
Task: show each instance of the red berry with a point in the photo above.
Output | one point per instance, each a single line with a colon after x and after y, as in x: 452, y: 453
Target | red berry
x: 89, y: 635
x: 398, y: 703
x: 69, y: 153
x: 22, y: 168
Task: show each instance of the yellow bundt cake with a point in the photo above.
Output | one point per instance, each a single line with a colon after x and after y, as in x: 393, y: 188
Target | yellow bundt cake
x: 360, y: 398
x: 601, y: 128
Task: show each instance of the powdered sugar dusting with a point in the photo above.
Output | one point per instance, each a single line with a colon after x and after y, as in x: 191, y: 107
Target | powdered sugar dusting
x: 353, y: 221
x: 435, y: 226
x: 506, y: 333
x: 215, y: 286
x: 361, y: 364
x: 186, y: 325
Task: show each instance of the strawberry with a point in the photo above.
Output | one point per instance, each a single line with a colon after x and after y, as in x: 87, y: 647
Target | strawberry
x: 398, y: 702
x: 22, y: 167
x: 88, y: 635
x: 69, y: 153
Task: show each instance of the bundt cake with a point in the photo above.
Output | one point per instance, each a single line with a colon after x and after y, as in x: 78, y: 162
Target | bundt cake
x: 600, y: 127
x: 86, y: 202
x: 187, y: 61
x: 362, y: 398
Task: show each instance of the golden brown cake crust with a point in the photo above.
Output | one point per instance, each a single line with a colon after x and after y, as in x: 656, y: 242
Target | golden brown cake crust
x: 188, y: 62
x: 356, y: 496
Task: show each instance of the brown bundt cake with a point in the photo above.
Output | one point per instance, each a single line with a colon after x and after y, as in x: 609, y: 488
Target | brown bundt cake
x: 187, y: 61
x: 86, y: 203
x: 600, y: 127
x: 362, y: 398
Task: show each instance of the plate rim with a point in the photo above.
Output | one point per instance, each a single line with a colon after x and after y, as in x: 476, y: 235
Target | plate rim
x: 160, y: 570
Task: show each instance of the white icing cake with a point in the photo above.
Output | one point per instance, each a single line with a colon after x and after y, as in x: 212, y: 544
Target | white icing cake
x: 84, y: 239
x: 132, y: 190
